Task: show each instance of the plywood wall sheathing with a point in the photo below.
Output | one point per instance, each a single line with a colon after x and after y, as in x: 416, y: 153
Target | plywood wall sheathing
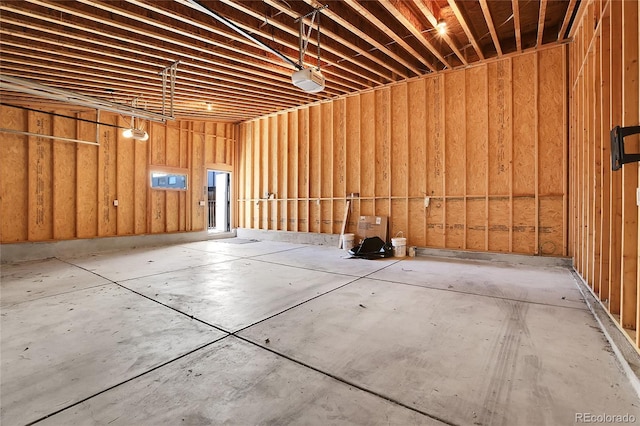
x: 485, y: 144
x: 87, y: 179
x: 14, y: 177
x: 416, y: 156
x: 125, y: 185
x: 59, y: 190
x: 604, y: 92
x: 64, y: 175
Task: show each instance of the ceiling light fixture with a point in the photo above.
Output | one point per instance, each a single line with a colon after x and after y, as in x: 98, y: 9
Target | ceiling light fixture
x: 209, y: 106
x: 442, y: 27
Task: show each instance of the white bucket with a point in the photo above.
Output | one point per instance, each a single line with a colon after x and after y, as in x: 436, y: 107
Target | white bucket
x: 399, y: 246
x: 348, y: 241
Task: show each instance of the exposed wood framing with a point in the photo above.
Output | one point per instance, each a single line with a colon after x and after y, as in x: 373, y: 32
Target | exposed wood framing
x: 604, y: 80
x: 630, y: 110
x: 364, y: 36
x: 333, y: 57
x: 115, y: 50
x: 567, y: 18
x: 448, y: 136
x: 466, y: 28
x: 541, y: 16
x: 516, y: 23
x: 415, y: 28
x: 492, y: 27
x: 326, y: 30
x: 392, y: 34
x: 69, y: 191
x: 434, y: 22
x: 605, y: 157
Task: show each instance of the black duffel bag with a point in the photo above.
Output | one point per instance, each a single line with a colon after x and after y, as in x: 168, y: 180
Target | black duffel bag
x: 372, y: 248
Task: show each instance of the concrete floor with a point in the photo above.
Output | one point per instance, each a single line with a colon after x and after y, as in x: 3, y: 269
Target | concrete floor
x: 245, y: 332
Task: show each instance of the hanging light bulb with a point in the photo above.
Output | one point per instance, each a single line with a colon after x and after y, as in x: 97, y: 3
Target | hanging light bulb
x: 209, y: 106
x: 442, y: 27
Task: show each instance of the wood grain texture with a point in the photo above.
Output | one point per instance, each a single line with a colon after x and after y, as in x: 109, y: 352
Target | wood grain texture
x: 14, y: 177
x: 467, y: 139
x: 61, y: 190
x: 87, y: 176
x: 107, y: 178
x: 125, y: 185
x: 603, y: 84
x: 64, y: 176
x: 40, y: 175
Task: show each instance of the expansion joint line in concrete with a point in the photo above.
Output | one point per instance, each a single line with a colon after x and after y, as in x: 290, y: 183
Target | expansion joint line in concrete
x: 311, y: 298
x: 234, y: 334
x: 325, y: 373
x: 347, y: 382
x: 273, y: 252
x: 489, y: 296
x: 150, y: 275
x: 144, y: 373
x: 157, y: 301
x: 271, y: 262
x: 245, y: 257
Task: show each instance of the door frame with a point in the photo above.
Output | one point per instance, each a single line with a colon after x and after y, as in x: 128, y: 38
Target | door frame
x: 217, y: 167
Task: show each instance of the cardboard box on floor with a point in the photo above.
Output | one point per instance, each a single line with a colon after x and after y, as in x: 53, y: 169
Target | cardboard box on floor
x: 370, y: 226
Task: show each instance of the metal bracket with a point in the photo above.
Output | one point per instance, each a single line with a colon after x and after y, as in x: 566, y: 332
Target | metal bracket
x: 170, y: 71
x: 618, y: 154
x: 303, y: 38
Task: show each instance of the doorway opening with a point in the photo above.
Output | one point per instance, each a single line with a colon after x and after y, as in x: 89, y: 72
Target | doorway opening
x: 219, y: 201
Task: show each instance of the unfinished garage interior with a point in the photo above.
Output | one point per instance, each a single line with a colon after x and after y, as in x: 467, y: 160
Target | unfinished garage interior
x: 176, y: 178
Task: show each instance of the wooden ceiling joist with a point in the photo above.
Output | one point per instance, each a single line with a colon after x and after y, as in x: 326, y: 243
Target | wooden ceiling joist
x: 357, y: 85
x: 465, y: 28
x: 96, y: 46
x: 189, y: 86
x: 364, y: 36
x: 146, y: 92
x: 222, y: 85
x: 137, y: 45
x: 285, y: 80
x: 211, y: 66
x: 428, y: 13
x: 492, y: 28
x: 543, y: 11
x: 516, y: 24
x: 567, y: 18
x: 389, y: 32
x: 293, y: 46
x: 418, y: 31
x: 357, y: 51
